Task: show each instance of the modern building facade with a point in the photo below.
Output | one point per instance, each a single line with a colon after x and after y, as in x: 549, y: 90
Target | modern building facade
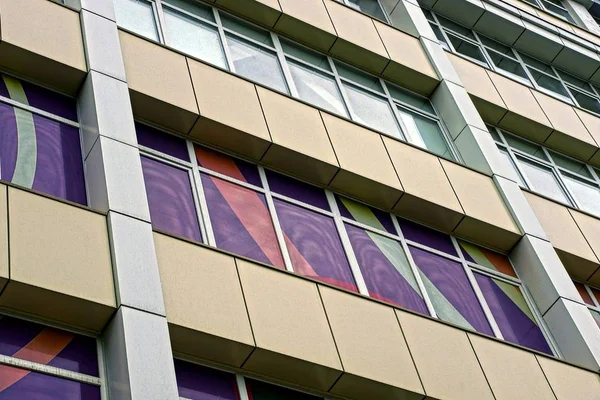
x: 299, y: 199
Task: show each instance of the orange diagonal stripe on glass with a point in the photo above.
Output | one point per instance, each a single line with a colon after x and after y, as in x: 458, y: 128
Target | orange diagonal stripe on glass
x: 45, y: 346
x: 219, y: 163
x: 10, y: 375
x: 500, y: 262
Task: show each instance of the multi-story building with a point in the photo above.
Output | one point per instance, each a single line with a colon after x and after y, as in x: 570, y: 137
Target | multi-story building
x: 299, y: 199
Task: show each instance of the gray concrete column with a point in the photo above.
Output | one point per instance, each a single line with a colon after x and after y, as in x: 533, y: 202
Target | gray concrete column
x: 137, y: 348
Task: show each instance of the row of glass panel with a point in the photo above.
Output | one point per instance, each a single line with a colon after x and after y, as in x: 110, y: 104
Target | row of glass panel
x: 264, y: 57
x: 591, y: 297
x: 206, y: 196
x: 508, y: 61
x: 370, y: 7
x: 551, y: 174
x: 555, y: 7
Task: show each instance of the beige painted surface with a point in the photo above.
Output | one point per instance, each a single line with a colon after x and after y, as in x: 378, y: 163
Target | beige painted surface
x: 3, y: 235
x: 202, y: 292
x: 370, y: 343
x: 590, y: 227
x: 265, y: 12
x: 512, y: 373
x: 307, y: 21
x: 312, y: 12
x: 444, y: 358
x: 591, y: 122
x: 569, y: 382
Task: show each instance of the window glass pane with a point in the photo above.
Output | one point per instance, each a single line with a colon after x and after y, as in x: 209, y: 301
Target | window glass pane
x: 358, y: 212
x: 456, y: 27
x: 233, y: 167
x: 506, y: 156
x: 297, y: 190
x: 304, y: 54
x: 370, y: 7
x: 422, y: 103
x: 578, y: 83
x: 555, y: 7
x: 466, y: 48
x: 317, y: 88
x: 427, y: 237
x: 373, y: 111
x: 196, y: 382
x: 450, y: 291
x: 256, y: 63
x: 526, y: 147
x: 386, y: 269
x: 596, y: 293
x: 258, y: 390
x: 587, y: 196
x: 24, y: 384
x: 170, y: 199
x: 250, y: 31
x: 137, y: 16
x: 512, y: 314
x: 549, y: 83
x: 596, y: 316
x: 314, y: 245
x: 425, y: 133
x: 163, y: 142
x: 198, y: 9
x: 193, y: 37
x: 571, y: 165
x: 494, y: 133
x: 487, y: 258
x: 439, y: 35
x: 532, y: 62
x: 585, y: 101
x: 41, y: 154
x: 497, y: 46
x: 34, y: 342
x: 354, y: 75
x: 241, y: 221
x: 507, y: 64
x: 584, y: 294
x: 543, y: 181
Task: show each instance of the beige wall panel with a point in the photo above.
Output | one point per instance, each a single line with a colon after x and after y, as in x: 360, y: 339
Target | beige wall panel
x: 308, y: 22
x: 478, y: 84
x: 592, y: 124
x: 570, y: 135
x: 366, y: 169
x: 42, y: 40
x: 590, y: 227
x: 487, y: 218
x: 293, y: 339
x: 82, y: 268
x: 409, y: 65
x: 428, y: 194
x: 358, y: 41
x: 230, y: 113
x: 512, y: 373
x: 569, y: 382
x: 372, y: 348
x: 444, y: 358
x: 203, y: 295
x: 3, y: 236
x: 265, y: 12
x: 525, y: 115
x: 565, y: 236
x: 159, y: 83
x: 300, y: 143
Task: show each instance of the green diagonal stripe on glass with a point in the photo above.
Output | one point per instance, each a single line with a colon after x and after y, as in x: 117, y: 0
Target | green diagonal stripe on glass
x: 26, y: 145
x: 514, y: 293
x: 361, y: 213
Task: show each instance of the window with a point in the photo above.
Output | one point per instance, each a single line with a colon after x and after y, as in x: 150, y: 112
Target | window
x: 39, y: 140
x: 370, y: 7
x: 551, y: 174
x: 197, y: 382
x: 555, y: 7
x: 204, y: 195
x: 591, y: 297
x: 288, y: 67
x: 37, y: 361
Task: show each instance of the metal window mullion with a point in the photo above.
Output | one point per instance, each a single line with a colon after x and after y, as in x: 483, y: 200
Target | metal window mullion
x: 414, y: 268
x: 592, y: 296
x: 592, y: 171
x: 540, y: 320
x: 161, y: 24
x: 223, y: 37
x: 395, y: 112
x: 203, y: 211
x: 351, y: 114
x: 192, y: 16
x: 433, y: 251
x: 102, y: 370
x: 287, y: 73
x: 157, y: 155
x: 275, y: 220
x: 49, y: 370
x: 563, y: 83
x: 39, y: 111
x: 347, y: 245
x: 370, y: 228
x: 384, y: 12
x: 241, y: 386
x: 557, y: 173
x: 301, y: 204
x: 493, y: 273
x: 517, y: 164
x: 230, y: 179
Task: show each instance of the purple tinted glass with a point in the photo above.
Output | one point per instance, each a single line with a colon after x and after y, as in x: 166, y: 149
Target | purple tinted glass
x: 258, y: 390
x: 9, y: 139
x: 517, y: 325
x: 297, y: 190
x: 35, y: 342
x: 314, y: 245
x: 161, y: 141
x: 3, y: 88
x: 229, y: 166
x: 428, y: 237
x: 385, y: 269
x: 455, y: 299
x: 18, y: 383
x: 196, y: 382
x: 50, y: 101
x: 170, y: 199
x: 364, y: 214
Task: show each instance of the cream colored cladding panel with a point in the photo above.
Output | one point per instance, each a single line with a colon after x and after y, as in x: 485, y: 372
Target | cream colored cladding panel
x: 293, y: 339
x: 592, y: 124
x: 300, y: 143
x: 59, y: 255
x: 358, y: 41
x: 265, y: 12
x: 308, y: 22
x: 513, y: 373
x: 570, y: 135
x: 204, y: 302
x: 376, y: 360
x: 487, y: 219
x: 409, y: 65
x: 569, y: 382
x: 366, y: 169
x: 230, y: 113
x: 565, y: 236
x: 525, y: 116
x: 428, y: 196
x: 590, y: 227
x: 445, y: 360
x: 479, y: 85
x: 3, y: 236
x: 159, y: 84
x: 42, y: 40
